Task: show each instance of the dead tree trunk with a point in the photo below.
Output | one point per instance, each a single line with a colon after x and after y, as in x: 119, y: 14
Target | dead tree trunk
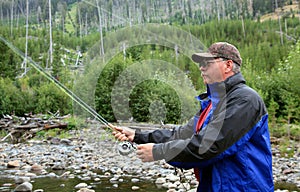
x: 100, y: 28
x: 50, y: 36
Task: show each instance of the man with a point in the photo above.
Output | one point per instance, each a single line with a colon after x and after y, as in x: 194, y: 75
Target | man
x: 227, y: 142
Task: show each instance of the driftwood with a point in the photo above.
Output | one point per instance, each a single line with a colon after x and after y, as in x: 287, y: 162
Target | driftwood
x: 22, y: 128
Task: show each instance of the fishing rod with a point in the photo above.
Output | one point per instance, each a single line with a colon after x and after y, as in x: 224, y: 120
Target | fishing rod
x: 73, y: 96
x: 124, y: 147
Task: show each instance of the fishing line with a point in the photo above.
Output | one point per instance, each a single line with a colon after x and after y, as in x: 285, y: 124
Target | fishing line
x: 59, y: 84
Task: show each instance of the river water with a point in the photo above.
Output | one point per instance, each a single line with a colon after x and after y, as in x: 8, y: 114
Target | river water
x: 68, y: 185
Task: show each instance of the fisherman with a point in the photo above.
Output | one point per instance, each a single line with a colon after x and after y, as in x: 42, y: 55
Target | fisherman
x: 227, y: 142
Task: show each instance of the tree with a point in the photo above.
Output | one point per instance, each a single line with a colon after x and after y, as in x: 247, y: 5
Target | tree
x: 62, y: 9
x: 50, y: 37
x: 12, y: 17
x: 100, y: 27
x: 24, y: 63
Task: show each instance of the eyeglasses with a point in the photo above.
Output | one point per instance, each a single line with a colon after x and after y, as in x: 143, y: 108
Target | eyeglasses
x: 207, y: 63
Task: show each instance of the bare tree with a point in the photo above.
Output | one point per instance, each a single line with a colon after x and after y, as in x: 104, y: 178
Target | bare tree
x: 79, y: 21
x: 1, y: 12
x: 12, y: 17
x: 243, y: 26
x: 100, y: 28
x: 62, y: 10
x: 50, y: 36
x: 38, y: 15
x: 280, y: 28
x: 24, y: 63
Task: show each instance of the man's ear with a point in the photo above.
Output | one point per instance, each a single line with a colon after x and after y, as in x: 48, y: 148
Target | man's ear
x: 229, y: 66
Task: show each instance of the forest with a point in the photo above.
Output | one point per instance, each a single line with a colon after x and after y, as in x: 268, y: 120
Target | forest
x: 130, y: 60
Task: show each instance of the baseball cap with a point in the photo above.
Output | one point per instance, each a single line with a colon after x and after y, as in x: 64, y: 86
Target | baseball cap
x: 219, y: 49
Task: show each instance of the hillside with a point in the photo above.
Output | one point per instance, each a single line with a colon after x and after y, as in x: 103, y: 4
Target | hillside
x: 285, y: 11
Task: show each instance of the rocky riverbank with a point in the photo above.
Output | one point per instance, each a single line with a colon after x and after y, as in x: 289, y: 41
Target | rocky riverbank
x: 91, y: 155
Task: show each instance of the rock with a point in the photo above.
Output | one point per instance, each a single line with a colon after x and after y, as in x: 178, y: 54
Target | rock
x: 135, y: 188
x: 171, y: 190
x: 160, y: 180
x: 7, y: 185
x: 134, y: 180
x: 30, y: 174
x: 20, y: 180
x: 55, y: 141
x: 97, y: 179
x: 52, y: 175
x: 115, y: 185
x: 65, y: 174
x: 287, y: 171
x: 114, y: 180
x: 58, y: 166
x: 85, y: 190
x: 172, y: 186
x: 173, y: 178
x: 24, y: 187
x: 13, y: 164
x: 185, y: 186
x: 81, y: 185
x: 65, y: 141
x: 36, y: 167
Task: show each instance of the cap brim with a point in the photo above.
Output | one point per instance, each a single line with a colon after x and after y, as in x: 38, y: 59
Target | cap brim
x: 200, y: 57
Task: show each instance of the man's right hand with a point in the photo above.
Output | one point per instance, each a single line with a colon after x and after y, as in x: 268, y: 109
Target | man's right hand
x: 123, y: 133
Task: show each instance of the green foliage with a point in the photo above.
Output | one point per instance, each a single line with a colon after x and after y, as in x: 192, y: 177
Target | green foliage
x: 269, y: 67
x: 154, y: 101
x: 75, y: 122
x: 52, y: 99
x: 14, y: 100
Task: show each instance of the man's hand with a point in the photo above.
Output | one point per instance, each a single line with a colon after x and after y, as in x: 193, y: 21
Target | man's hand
x: 144, y: 152
x: 123, y: 133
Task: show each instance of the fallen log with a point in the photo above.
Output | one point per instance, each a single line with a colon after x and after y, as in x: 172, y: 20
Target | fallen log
x: 22, y: 128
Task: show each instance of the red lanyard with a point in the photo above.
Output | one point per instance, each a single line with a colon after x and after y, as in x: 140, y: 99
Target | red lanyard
x: 200, y: 122
x: 203, y: 117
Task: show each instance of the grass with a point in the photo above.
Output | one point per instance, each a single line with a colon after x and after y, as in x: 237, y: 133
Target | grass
x: 286, y: 130
x: 288, y: 138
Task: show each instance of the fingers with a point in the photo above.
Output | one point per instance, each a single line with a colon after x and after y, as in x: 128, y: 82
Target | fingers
x: 115, y: 127
x: 120, y: 136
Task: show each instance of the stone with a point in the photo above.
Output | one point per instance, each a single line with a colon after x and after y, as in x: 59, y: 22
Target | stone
x: 134, y: 180
x: 36, y: 167
x: 160, y: 180
x: 24, y: 187
x: 81, y: 185
x: 135, y: 188
x: 13, y: 164
x: 287, y: 171
x: 85, y: 190
x: 20, y: 180
x: 172, y: 186
x: 7, y: 185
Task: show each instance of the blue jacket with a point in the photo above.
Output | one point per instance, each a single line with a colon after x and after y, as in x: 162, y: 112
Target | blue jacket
x: 232, y: 150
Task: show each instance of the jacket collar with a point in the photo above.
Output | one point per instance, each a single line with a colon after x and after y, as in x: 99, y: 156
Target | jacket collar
x: 215, y: 91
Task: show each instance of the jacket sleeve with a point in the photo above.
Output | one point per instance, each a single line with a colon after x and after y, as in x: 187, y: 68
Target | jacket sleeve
x: 165, y: 135
x: 231, y: 121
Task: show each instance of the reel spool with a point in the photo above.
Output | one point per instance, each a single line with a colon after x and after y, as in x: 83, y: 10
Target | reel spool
x: 125, y: 148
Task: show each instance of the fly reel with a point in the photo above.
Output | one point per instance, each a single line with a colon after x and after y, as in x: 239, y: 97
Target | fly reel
x: 125, y: 148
